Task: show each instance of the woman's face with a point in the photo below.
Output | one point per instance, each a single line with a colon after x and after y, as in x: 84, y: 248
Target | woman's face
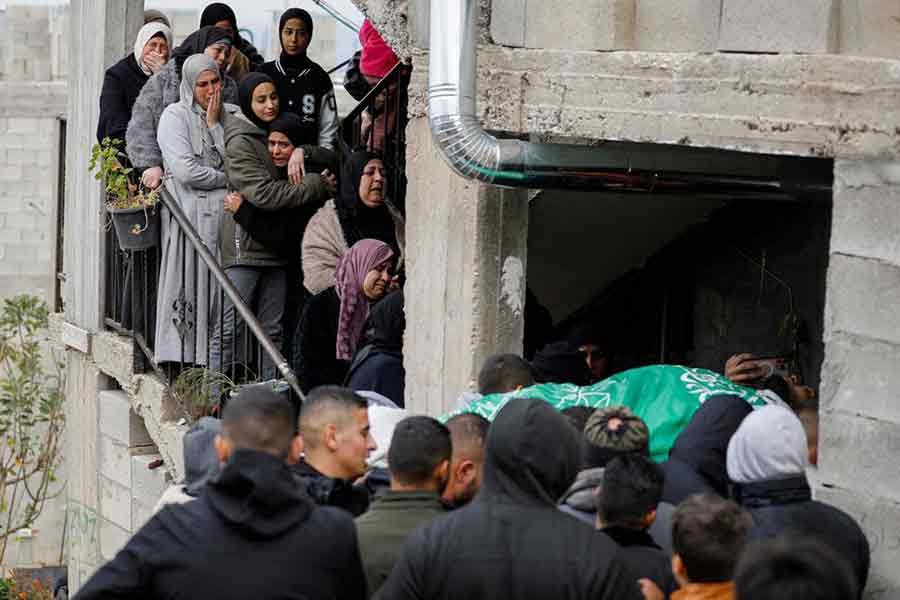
x: 377, y: 281
x: 219, y: 53
x: 157, y: 45
x: 295, y: 37
x: 264, y: 102
x: 206, y: 83
x: 372, y: 183
x: 280, y: 148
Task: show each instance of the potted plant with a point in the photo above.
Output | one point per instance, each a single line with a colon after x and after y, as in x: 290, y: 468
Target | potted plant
x: 132, y: 207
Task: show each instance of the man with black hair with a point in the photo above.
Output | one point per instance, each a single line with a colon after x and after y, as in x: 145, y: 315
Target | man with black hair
x: 512, y: 542
x: 790, y: 568
x: 626, y: 508
x: 419, y: 465
x: 503, y: 373
x: 709, y: 534
x: 231, y: 542
x: 611, y: 432
x: 334, y: 426
x: 468, y: 432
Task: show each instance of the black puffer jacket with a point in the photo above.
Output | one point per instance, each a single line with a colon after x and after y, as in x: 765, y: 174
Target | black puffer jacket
x: 696, y: 462
x: 511, y: 542
x: 644, y: 557
x: 122, y: 84
x: 785, y: 507
x: 235, y: 542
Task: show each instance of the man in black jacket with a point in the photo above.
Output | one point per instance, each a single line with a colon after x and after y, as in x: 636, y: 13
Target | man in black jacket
x: 626, y: 508
x: 334, y: 426
x: 233, y: 541
x: 511, y: 542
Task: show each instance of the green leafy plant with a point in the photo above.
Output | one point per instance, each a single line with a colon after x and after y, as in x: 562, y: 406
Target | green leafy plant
x: 5, y: 587
x: 197, y: 391
x: 31, y: 418
x: 121, y: 193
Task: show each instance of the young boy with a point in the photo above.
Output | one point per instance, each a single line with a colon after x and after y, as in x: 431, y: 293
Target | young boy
x: 708, y: 535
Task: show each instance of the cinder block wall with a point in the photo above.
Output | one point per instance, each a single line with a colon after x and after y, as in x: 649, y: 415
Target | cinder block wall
x: 807, y: 77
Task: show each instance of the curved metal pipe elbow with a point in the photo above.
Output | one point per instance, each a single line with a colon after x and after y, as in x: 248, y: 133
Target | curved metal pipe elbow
x: 465, y: 145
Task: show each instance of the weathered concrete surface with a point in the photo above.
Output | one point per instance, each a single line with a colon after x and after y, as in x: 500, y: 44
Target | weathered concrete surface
x: 860, y: 421
x: 596, y: 25
x: 870, y: 28
x: 806, y: 105
x: 878, y: 518
x: 866, y: 205
x: 102, y: 31
x: 682, y: 26
x: 777, y: 26
x: 465, y: 286
x: 862, y: 298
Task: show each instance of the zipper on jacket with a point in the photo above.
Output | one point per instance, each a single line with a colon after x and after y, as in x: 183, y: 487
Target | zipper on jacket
x: 237, y: 242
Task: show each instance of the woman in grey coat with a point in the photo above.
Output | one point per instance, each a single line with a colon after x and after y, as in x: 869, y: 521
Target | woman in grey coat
x: 161, y: 90
x: 192, y: 141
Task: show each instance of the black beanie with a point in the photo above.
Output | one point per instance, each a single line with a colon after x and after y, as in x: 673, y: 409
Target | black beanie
x: 290, y: 125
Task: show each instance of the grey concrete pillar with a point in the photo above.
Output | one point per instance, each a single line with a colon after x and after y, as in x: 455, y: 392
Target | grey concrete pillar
x: 101, y: 33
x: 859, y: 415
x: 466, y: 258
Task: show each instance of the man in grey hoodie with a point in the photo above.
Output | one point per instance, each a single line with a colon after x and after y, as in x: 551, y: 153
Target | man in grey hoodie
x: 611, y: 432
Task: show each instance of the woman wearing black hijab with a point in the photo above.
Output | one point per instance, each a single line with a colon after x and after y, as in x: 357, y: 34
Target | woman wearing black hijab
x: 281, y: 231
x: 245, y: 57
x: 360, y: 211
x: 257, y: 271
x: 378, y: 365
x: 163, y: 89
x: 304, y: 87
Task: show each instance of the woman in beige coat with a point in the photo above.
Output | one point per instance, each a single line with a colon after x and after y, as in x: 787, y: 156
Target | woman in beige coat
x: 360, y: 211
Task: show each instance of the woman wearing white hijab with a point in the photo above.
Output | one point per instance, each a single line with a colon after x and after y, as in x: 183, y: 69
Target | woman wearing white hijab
x: 192, y: 142
x: 125, y: 79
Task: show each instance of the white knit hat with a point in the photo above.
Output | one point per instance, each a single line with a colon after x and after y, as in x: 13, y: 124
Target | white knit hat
x: 770, y: 444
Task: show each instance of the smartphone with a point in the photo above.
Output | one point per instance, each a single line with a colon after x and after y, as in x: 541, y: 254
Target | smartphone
x: 772, y: 365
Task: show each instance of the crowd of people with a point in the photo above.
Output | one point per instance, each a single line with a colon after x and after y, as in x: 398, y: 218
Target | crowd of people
x: 300, y: 222
x: 357, y: 498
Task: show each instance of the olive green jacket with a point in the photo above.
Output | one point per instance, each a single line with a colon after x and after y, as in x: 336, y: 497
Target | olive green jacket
x: 251, y: 172
x: 382, y: 531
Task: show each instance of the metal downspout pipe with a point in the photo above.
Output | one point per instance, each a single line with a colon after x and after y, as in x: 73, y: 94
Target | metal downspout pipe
x: 474, y: 153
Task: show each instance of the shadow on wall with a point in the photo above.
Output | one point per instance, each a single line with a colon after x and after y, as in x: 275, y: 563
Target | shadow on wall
x: 678, y: 281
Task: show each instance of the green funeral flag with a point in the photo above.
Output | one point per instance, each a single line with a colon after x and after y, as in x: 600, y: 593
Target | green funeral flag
x: 664, y: 396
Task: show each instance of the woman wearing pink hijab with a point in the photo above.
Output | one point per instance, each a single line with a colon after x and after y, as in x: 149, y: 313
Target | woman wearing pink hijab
x: 332, y: 323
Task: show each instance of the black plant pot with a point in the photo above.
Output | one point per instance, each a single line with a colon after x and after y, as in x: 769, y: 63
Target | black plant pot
x: 136, y: 228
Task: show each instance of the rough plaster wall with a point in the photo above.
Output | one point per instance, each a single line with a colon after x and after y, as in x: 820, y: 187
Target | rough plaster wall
x: 465, y: 245
x: 860, y: 419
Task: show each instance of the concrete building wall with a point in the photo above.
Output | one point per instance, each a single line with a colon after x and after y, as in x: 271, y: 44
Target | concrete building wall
x: 814, y: 78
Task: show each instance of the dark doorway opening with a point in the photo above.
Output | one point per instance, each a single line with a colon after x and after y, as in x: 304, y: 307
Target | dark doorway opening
x: 687, y: 280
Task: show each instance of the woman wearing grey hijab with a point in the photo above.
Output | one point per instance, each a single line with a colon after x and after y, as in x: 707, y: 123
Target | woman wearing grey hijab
x: 192, y: 142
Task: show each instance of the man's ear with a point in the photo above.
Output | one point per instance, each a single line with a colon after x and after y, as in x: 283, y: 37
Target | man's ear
x: 223, y: 449
x: 649, y: 519
x: 466, y: 471
x: 296, y: 450
x: 329, y: 437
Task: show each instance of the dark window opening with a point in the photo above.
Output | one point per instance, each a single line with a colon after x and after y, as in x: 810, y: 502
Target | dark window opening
x: 687, y: 279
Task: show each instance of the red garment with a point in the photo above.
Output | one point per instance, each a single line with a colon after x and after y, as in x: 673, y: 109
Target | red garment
x: 377, y: 57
